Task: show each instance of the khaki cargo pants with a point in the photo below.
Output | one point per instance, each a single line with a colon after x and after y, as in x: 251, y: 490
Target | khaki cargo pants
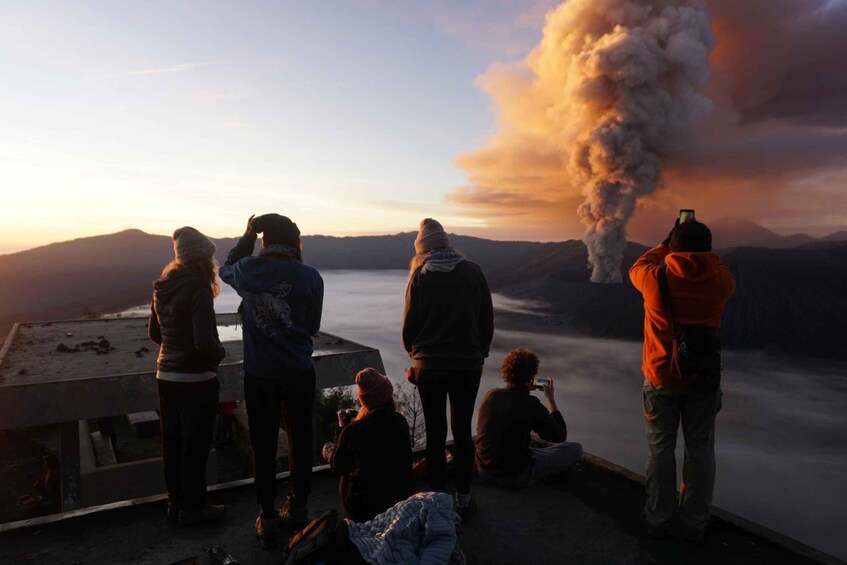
x: 664, y: 408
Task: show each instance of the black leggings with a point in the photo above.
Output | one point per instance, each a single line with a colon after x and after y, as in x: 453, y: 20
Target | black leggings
x: 269, y: 399
x: 461, y: 386
x: 187, y: 412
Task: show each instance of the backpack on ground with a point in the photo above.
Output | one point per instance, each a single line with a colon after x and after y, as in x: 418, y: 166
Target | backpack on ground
x: 323, y: 540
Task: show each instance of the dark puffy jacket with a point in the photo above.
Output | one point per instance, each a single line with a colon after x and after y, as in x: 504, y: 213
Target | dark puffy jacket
x: 182, y: 322
x: 449, y: 319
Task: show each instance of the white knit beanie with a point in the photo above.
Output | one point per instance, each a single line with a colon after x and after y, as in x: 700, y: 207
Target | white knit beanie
x: 431, y: 236
x: 190, y: 245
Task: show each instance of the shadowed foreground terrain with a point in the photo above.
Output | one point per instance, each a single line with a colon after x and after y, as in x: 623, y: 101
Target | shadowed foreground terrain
x: 591, y: 516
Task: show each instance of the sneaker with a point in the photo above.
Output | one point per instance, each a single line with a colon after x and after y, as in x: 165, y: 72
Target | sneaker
x: 292, y: 516
x: 266, y: 530
x: 210, y: 513
x: 173, y: 511
x: 467, y: 513
x: 653, y: 531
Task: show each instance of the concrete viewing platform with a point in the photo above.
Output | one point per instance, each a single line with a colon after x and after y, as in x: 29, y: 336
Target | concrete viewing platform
x: 58, y: 376
x: 590, y: 516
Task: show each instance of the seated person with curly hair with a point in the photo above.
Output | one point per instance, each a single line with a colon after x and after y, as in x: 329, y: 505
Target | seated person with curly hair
x: 508, y: 415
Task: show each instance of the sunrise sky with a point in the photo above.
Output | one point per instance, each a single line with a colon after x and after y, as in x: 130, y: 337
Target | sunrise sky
x: 363, y: 116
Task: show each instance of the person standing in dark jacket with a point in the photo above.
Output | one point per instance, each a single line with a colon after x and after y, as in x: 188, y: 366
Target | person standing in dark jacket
x: 448, y: 325
x: 182, y: 322
x: 508, y: 415
x: 373, y: 454
x: 282, y: 301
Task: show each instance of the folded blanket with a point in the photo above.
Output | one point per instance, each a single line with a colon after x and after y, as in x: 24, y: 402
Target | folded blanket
x: 419, y: 530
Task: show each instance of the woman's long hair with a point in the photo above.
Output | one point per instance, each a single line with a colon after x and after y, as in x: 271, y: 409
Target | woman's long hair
x: 205, y: 268
x: 417, y: 261
x: 364, y: 411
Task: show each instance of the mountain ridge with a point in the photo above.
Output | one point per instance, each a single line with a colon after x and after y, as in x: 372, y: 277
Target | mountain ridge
x: 729, y: 232
x: 790, y: 299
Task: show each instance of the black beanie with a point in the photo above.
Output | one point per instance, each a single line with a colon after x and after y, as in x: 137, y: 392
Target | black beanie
x: 277, y: 229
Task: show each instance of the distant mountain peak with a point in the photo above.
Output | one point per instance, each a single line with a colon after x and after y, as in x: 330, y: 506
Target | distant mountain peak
x: 734, y: 231
x: 738, y: 224
x: 840, y: 235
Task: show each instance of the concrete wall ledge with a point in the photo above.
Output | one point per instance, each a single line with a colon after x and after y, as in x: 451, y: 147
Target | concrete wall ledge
x: 753, y: 528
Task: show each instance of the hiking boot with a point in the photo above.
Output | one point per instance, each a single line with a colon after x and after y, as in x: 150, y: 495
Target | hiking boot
x: 173, y: 511
x: 293, y: 516
x: 266, y: 530
x: 695, y: 536
x: 210, y: 513
x: 467, y: 513
x: 653, y: 531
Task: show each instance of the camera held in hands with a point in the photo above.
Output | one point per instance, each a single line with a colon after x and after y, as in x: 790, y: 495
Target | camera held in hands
x: 540, y: 383
x: 686, y: 216
x: 346, y: 415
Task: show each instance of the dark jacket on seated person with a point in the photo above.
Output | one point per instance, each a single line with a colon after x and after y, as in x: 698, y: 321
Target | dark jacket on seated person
x: 506, y: 418
x: 373, y: 456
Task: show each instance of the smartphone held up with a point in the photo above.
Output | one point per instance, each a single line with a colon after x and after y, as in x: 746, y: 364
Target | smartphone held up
x: 686, y: 216
x: 540, y: 383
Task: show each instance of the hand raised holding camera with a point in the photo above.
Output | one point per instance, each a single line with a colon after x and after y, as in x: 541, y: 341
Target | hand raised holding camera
x: 550, y: 395
x: 345, y: 416
x: 667, y: 241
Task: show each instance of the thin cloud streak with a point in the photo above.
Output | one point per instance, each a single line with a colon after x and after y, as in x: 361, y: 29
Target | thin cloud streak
x: 168, y: 70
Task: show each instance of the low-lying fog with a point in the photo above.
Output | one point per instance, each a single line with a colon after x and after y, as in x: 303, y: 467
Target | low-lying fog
x: 781, y: 436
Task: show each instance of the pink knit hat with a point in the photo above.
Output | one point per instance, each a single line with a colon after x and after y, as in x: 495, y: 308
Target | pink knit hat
x: 431, y: 236
x: 375, y: 389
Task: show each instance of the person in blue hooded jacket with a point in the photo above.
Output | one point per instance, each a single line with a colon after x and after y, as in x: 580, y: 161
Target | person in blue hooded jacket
x: 282, y: 300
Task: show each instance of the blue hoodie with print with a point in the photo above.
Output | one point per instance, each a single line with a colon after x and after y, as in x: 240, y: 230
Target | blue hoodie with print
x: 282, y: 300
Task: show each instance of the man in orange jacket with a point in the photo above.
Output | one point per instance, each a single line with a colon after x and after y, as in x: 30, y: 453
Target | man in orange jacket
x: 699, y: 287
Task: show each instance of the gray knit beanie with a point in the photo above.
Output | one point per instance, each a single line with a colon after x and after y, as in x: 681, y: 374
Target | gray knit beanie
x: 431, y: 236
x: 190, y: 245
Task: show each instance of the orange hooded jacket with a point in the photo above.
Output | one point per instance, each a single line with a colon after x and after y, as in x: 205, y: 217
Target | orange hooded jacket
x: 699, y: 284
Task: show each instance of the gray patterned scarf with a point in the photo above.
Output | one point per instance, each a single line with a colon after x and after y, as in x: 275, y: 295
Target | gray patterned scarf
x: 441, y: 261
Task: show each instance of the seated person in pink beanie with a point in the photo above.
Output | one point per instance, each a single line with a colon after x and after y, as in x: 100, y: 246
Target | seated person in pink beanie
x: 373, y: 453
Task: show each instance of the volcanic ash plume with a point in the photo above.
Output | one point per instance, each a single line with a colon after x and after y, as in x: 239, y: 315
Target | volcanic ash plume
x: 631, y: 74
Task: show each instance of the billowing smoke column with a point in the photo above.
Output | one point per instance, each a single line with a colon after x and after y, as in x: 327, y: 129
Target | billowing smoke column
x: 633, y: 68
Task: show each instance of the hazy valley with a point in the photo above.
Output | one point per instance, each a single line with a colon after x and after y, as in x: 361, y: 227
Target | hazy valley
x: 788, y: 299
